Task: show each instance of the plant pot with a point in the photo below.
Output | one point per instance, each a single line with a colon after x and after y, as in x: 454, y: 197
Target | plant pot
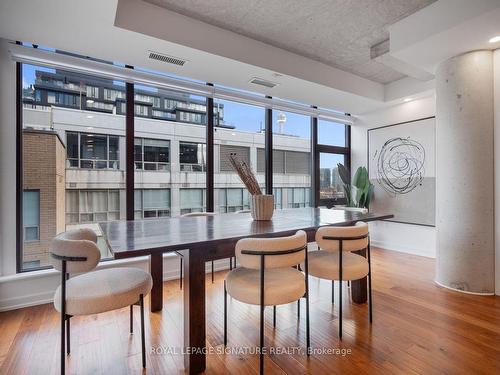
x: 262, y: 206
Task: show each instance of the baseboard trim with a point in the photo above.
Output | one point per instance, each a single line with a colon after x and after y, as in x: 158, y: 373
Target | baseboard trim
x: 403, y: 249
x: 463, y: 291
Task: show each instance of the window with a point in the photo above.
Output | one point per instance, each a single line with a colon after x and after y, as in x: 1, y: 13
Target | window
x: 291, y: 157
x: 141, y: 110
x: 31, y: 215
x: 192, y: 200
x: 92, y: 151
x: 278, y: 198
x: 143, y: 98
x: 330, y: 185
x: 112, y: 94
x: 70, y: 176
x: 163, y: 115
x: 242, y: 153
x: 100, y: 105
x: 297, y: 197
x: 92, y: 206
x: 151, y: 203
x: 60, y: 98
x: 152, y: 154
x: 92, y: 91
x: 233, y: 199
x: 331, y: 133
x: 192, y: 156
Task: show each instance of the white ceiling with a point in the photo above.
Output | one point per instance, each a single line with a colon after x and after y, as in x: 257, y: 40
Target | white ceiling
x: 338, y: 33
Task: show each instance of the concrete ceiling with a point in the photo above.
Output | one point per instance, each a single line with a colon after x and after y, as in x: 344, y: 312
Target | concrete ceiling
x: 338, y: 33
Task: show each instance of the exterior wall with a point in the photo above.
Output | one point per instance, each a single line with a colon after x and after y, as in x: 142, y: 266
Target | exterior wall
x: 44, y: 159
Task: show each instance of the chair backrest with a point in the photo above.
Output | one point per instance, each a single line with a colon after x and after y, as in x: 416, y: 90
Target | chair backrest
x: 358, y: 230
x: 297, y: 241
x: 195, y: 214
x: 75, y: 243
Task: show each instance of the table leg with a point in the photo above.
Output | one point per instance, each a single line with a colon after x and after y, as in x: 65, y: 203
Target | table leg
x: 156, y: 270
x: 359, y: 287
x: 194, y: 312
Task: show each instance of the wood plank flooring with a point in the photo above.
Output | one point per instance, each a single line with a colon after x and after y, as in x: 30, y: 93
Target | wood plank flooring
x: 418, y: 328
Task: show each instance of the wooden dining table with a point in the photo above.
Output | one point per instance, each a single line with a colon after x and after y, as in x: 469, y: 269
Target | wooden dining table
x: 202, y: 239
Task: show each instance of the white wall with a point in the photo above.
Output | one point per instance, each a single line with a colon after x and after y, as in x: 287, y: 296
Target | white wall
x: 406, y: 238
x: 496, y: 101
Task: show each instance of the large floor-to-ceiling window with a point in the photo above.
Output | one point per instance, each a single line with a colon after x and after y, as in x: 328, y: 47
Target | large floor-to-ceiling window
x: 75, y: 131
x: 291, y: 159
x: 72, y: 168
x: 238, y: 131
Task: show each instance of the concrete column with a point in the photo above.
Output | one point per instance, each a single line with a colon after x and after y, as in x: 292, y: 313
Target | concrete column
x: 464, y: 170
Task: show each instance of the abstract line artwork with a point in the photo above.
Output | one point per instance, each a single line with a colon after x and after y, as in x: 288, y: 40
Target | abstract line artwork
x: 401, y: 166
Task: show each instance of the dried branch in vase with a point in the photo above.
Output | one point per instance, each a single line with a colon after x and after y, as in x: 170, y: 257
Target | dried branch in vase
x: 246, y: 175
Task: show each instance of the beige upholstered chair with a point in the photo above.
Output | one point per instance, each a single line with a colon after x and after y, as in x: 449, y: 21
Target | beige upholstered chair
x: 267, y: 277
x: 206, y: 214
x: 335, y: 260
x: 75, y: 251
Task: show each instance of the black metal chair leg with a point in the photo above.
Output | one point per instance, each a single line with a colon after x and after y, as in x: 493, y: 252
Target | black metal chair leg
x: 131, y: 319
x: 274, y: 316
x: 298, y: 309
x: 68, y: 339
x: 63, y: 317
x: 348, y: 283
x: 340, y: 291
x: 231, y: 263
x: 225, y: 314
x: 370, y: 303
x: 143, y: 334
x: 212, y: 271
x: 261, y: 339
x: 181, y: 274
x: 333, y: 292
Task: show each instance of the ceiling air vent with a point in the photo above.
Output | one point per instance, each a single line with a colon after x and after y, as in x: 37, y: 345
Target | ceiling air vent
x: 166, y: 59
x: 263, y: 82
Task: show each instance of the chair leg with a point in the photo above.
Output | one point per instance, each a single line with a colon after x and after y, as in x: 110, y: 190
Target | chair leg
x: 308, y: 334
x: 212, y: 271
x: 370, y: 301
x: 261, y: 339
x: 231, y: 263
x: 340, y: 310
x: 131, y: 319
x: 348, y: 283
x: 143, y: 334
x: 68, y: 339
x: 225, y: 314
x: 333, y: 292
x: 274, y: 316
x: 298, y: 309
x: 181, y: 273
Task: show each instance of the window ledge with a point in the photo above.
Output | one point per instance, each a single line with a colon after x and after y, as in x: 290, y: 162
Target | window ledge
x: 102, y: 265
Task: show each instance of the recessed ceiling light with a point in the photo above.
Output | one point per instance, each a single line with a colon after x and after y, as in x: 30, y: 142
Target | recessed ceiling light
x: 406, y: 100
x: 90, y: 101
x: 495, y: 39
x: 90, y: 116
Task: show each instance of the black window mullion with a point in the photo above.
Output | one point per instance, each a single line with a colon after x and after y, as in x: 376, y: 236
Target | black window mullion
x: 268, y: 150
x: 210, y: 155
x: 129, y: 148
x: 315, y: 183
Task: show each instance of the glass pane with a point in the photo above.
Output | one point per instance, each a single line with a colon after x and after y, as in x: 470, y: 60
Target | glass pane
x: 239, y: 131
x: 331, y: 187
x: 331, y: 133
x: 83, y: 142
x: 291, y: 159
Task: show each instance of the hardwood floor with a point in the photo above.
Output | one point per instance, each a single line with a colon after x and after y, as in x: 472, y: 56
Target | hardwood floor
x: 418, y: 328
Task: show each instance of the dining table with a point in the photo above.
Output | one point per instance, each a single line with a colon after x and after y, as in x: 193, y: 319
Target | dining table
x: 206, y: 238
